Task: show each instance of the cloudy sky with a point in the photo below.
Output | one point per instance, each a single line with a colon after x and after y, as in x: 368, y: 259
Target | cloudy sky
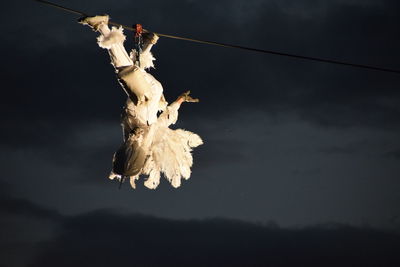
x: 301, y: 160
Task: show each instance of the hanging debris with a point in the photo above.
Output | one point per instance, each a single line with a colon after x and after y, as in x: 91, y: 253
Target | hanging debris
x: 138, y: 43
x: 149, y: 146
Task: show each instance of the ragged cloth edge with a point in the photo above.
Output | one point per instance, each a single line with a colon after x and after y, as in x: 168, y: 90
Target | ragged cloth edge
x: 115, y: 36
x: 146, y: 59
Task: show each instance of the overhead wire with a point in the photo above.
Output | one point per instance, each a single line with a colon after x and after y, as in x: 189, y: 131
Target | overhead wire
x: 316, y: 59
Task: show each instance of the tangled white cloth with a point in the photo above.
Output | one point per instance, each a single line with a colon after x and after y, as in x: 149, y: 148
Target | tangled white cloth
x: 150, y: 147
x: 170, y: 153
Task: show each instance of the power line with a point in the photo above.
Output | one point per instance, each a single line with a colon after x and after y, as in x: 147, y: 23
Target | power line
x: 317, y: 59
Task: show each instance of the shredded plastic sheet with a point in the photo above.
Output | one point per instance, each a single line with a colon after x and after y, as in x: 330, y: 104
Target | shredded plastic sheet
x: 150, y: 147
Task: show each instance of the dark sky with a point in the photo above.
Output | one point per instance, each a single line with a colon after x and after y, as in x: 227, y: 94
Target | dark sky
x: 301, y: 160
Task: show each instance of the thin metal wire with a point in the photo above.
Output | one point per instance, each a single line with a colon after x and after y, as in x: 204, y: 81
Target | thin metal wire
x: 317, y: 59
x: 63, y: 8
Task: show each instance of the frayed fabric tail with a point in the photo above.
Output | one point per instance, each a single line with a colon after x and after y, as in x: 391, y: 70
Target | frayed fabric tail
x: 116, y: 36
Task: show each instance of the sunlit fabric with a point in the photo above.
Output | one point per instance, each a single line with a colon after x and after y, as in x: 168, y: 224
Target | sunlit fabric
x: 150, y: 147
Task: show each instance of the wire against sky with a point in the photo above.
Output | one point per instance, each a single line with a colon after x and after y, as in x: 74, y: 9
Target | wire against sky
x: 317, y: 59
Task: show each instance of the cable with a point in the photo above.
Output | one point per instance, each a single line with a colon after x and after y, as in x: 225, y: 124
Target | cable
x: 324, y: 60
x: 63, y: 8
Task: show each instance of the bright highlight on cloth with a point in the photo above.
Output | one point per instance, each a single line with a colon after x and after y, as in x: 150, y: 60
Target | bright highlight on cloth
x: 150, y: 148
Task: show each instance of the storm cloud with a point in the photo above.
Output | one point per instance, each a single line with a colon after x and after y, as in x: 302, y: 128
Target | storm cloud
x: 311, y: 147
